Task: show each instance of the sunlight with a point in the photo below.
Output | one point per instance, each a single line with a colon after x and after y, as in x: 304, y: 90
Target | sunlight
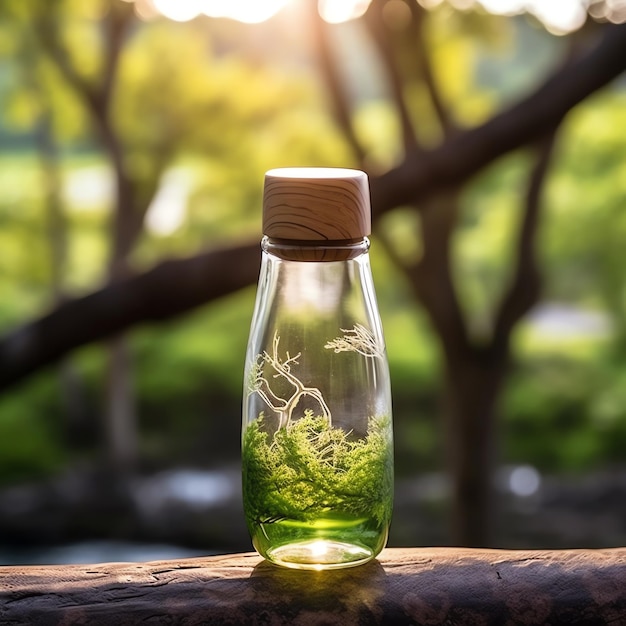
x: 248, y: 11
x: 178, y: 10
x: 558, y: 16
x: 504, y: 7
x: 168, y: 209
x: 336, y: 11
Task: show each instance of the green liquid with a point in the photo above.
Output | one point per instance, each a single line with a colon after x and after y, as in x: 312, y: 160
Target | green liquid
x: 325, y: 543
x: 314, y: 498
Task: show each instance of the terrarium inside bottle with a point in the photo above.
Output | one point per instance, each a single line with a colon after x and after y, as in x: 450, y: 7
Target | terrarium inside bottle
x: 317, y: 434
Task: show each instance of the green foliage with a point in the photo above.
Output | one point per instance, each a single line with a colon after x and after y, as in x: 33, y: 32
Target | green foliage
x: 586, y: 221
x: 309, y: 468
x: 204, y: 350
x: 30, y: 445
x: 225, y: 106
x: 485, y: 243
x: 564, y: 407
x: 33, y: 87
x: 25, y: 263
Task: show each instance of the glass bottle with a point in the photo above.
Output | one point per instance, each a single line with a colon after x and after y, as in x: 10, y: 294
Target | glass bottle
x: 317, y: 445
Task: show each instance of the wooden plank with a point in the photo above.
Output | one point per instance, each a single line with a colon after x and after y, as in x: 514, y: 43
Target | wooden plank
x: 404, y: 586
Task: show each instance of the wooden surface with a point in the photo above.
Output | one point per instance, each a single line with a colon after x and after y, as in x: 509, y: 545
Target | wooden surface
x: 404, y: 586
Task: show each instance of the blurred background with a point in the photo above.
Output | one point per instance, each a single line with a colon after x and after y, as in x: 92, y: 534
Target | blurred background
x: 133, y: 141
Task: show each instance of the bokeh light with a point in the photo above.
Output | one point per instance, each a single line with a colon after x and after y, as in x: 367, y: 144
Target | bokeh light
x: 336, y: 11
x: 247, y: 11
x: 558, y: 16
x: 178, y: 10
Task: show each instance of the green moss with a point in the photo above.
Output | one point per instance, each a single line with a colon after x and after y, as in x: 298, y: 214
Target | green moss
x: 310, y: 468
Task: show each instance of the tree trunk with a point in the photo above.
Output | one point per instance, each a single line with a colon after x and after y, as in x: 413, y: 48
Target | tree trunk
x: 121, y: 433
x: 471, y: 392
x: 96, y: 94
x: 70, y: 382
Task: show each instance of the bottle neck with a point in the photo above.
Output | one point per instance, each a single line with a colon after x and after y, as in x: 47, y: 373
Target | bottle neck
x: 315, y: 251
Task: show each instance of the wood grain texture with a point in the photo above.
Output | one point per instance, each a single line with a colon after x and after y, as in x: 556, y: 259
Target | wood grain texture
x: 404, y: 586
x: 316, y: 204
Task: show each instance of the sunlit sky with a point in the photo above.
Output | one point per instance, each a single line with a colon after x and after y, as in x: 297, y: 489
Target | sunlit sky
x: 559, y: 16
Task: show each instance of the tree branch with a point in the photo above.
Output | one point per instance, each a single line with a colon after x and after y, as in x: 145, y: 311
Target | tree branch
x: 171, y: 288
x: 191, y: 282
x: 432, y: 276
x: 329, y: 69
x: 381, y: 36
x: 46, y: 31
x: 96, y: 95
x: 523, y: 292
x: 465, y: 154
x: 116, y: 26
x: 444, y: 117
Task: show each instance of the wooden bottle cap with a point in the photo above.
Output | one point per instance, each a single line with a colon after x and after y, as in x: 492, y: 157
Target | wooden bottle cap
x: 316, y: 204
